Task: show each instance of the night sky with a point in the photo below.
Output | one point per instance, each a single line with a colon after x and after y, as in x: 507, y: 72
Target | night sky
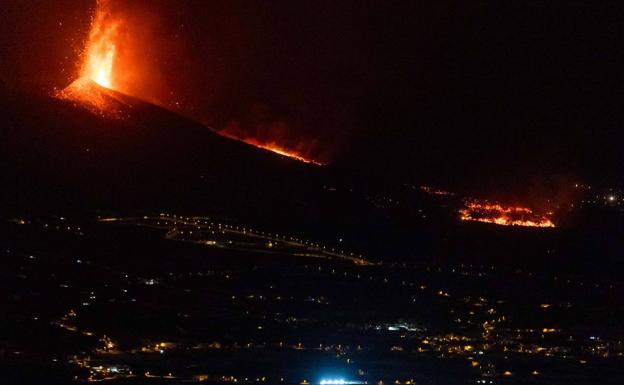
x: 489, y: 94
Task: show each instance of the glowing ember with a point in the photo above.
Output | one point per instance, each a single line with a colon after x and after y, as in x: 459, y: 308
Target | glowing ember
x: 274, y: 147
x: 101, y: 48
x: 482, y: 211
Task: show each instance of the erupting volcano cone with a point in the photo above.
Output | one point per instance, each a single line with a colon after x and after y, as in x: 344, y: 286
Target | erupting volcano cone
x: 94, y: 89
x: 104, y: 78
x: 99, y: 100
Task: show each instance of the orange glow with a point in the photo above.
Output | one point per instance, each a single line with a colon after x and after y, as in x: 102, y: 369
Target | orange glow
x: 94, y: 89
x: 483, y: 211
x: 101, y: 50
x: 123, y: 52
x: 282, y: 151
x: 95, y: 98
x: 274, y: 147
x: 118, y: 60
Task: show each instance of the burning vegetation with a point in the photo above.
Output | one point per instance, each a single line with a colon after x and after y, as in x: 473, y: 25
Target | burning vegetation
x: 483, y: 211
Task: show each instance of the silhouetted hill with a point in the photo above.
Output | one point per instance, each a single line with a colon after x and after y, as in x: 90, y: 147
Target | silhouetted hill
x: 115, y: 154
x: 66, y: 154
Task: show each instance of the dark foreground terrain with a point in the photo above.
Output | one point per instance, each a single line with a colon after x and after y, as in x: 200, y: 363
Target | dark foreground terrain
x: 126, y: 301
x: 149, y: 250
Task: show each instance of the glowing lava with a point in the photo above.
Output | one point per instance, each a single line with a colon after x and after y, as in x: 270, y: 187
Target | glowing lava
x: 94, y: 89
x: 274, y: 147
x: 282, y: 151
x: 98, y: 100
x: 116, y: 63
x: 101, y: 50
x: 483, y: 211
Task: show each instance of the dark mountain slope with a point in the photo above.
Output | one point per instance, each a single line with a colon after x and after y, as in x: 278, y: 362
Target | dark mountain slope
x: 58, y: 154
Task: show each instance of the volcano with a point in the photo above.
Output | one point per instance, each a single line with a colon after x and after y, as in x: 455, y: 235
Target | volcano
x: 95, y: 148
x: 92, y: 151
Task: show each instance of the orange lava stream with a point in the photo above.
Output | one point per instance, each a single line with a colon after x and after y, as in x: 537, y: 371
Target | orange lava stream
x: 284, y: 152
x: 480, y: 211
x: 276, y: 148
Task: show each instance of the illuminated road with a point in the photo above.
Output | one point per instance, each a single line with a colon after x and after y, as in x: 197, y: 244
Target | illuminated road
x: 203, y: 230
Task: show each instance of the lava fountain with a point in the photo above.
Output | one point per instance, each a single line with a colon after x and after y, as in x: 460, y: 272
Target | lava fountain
x: 119, y: 60
x: 101, y: 47
x: 94, y: 89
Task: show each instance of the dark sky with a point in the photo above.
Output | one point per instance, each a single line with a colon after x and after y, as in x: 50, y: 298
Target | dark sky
x: 485, y: 92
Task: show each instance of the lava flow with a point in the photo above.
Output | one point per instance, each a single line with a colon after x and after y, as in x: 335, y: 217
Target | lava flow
x: 274, y: 147
x: 482, y: 211
x: 115, y: 65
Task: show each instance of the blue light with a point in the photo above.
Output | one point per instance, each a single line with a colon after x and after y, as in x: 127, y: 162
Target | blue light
x: 333, y: 381
x: 338, y: 381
